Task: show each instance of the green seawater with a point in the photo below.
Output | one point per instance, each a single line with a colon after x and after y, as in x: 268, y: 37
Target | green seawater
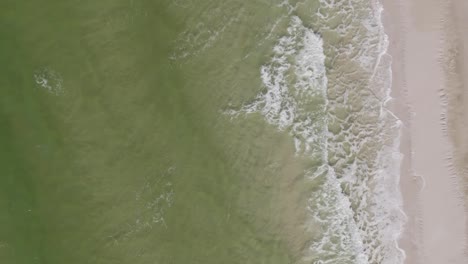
x: 113, y: 143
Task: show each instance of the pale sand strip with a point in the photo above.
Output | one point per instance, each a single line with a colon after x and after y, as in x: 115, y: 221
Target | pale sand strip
x: 455, y: 60
x: 436, y: 231
x: 410, y: 185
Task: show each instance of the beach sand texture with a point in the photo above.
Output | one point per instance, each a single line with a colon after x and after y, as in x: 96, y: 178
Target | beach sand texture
x: 454, y: 59
x: 428, y: 84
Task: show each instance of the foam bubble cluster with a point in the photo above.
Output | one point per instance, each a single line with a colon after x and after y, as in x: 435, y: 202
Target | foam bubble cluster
x: 49, y: 80
x: 295, y: 82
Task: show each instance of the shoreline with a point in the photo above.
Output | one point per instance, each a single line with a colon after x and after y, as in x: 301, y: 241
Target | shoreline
x: 409, y: 184
x: 435, y: 231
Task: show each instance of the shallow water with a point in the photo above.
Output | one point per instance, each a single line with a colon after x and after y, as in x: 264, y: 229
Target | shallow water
x: 197, y: 132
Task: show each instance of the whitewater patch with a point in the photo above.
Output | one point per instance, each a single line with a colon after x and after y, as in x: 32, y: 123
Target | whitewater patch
x: 338, y: 115
x: 294, y: 81
x: 295, y: 100
x: 49, y: 80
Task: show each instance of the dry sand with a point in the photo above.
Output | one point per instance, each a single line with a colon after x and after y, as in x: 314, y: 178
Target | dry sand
x: 454, y: 58
x: 431, y: 185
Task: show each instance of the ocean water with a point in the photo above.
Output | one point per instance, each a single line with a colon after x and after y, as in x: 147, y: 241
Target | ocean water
x: 208, y: 131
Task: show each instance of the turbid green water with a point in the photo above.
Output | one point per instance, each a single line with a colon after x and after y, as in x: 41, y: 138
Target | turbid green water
x: 197, y: 131
x: 114, y: 148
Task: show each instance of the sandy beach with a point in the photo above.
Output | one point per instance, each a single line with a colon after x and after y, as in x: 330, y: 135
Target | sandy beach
x: 454, y: 59
x: 432, y: 189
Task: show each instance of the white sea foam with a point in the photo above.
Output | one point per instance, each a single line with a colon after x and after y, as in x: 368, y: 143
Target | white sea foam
x: 358, y: 206
x: 298, y: 55
x: 369, y: 171
x: 49, y: 80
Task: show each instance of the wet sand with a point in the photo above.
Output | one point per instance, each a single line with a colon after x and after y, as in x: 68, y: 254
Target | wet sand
x: 436, y: 227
